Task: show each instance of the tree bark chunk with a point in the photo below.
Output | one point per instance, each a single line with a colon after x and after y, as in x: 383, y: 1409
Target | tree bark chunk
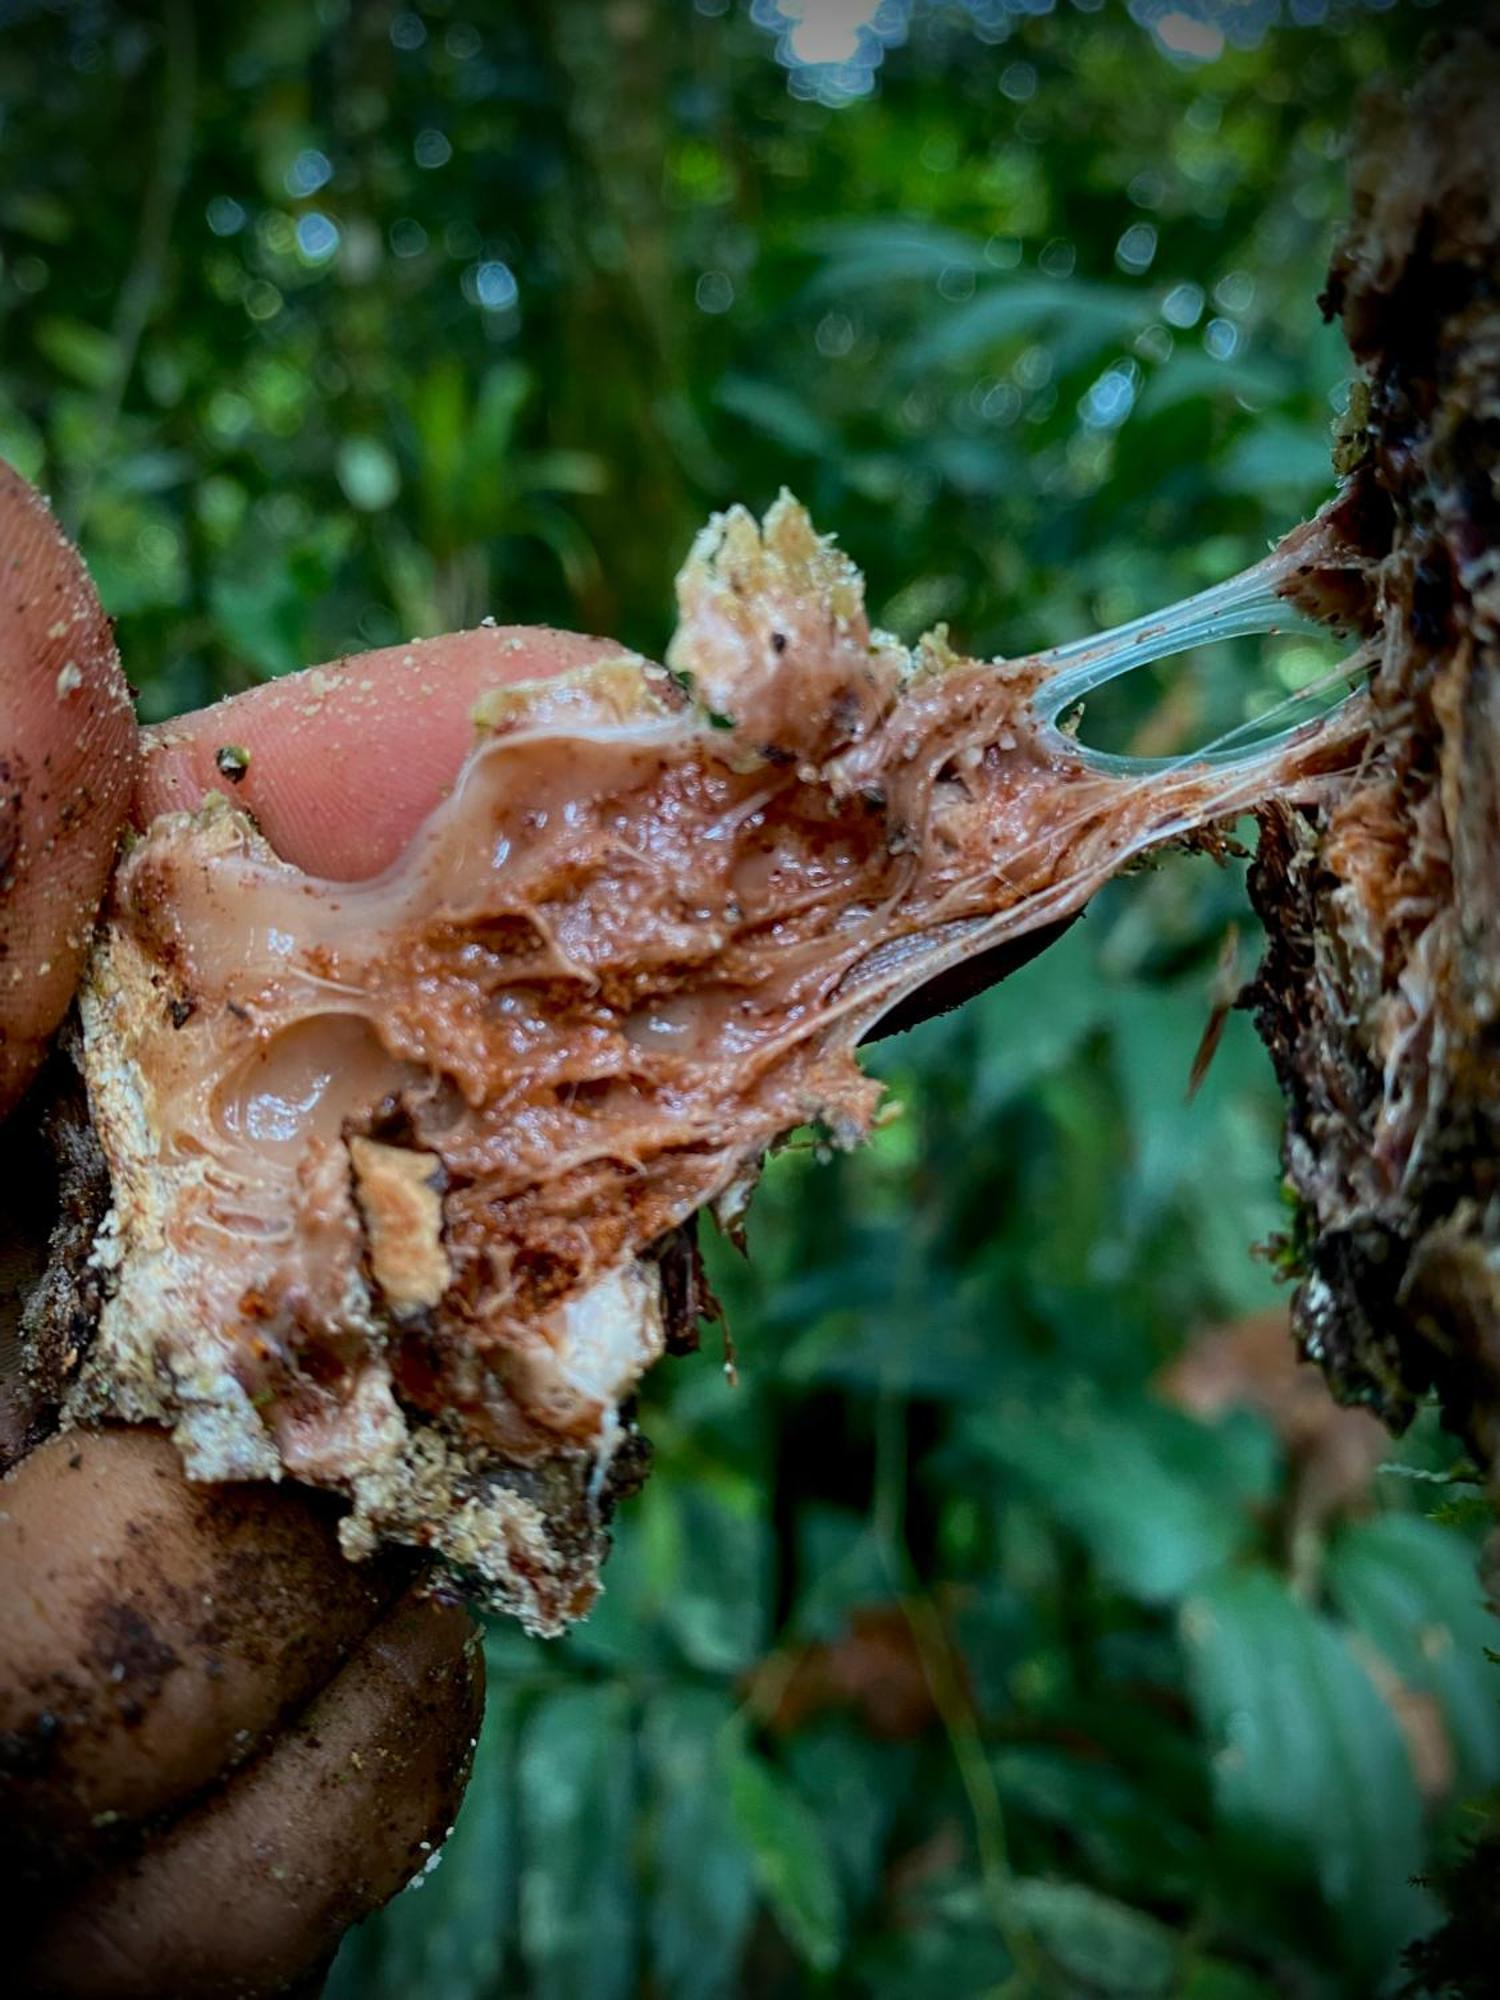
x: 1379, y: 996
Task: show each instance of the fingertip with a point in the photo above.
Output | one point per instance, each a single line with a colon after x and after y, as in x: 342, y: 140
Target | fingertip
x: 342, y: 763
x: 252, y: 1889
x: 67, y: 767
x: 143, y: 1677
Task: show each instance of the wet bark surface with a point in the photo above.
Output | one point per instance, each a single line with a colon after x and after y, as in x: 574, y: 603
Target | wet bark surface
x: 1379, y: 997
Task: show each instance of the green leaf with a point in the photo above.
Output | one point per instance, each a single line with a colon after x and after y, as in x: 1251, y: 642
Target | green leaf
x: 1310, y: 1773
x: 976, y: 468
x: 1034, y: 1021
x: 1125, y: 1829
x: 1204, y: 1158
x: 581, y: 472
x: 841, y: 1567
x: 717, y: 1598
x: 1191, y: 375
x: 856, y: 1787
x: 136, y: 555
x: 790, y: 1857
x: 936, y: 1956
x: 441, y: 415
x: 487, y: 474
x: 1411, y: 1588
x: 1159, y: 1499
x: 85, y: 354
x: 691, y: 1580
x: 859, y: 255
x: 701, y: 1881
x: 777, y: 414
x: 1086, y: 318
x: 21, y: 443
x: 263, y: 622
x: 1107, y: 1946
x: 1290, y: 463
x: 579, y: 1909
x: 862, y: 1335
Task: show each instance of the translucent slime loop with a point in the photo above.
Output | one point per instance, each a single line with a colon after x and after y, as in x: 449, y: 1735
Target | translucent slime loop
x: 404, y: 1171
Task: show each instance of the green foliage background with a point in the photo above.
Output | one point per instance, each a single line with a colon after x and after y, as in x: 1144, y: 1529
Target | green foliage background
x: 945, y: 1653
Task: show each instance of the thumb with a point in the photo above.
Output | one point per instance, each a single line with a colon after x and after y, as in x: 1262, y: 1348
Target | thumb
x: 67, y: 766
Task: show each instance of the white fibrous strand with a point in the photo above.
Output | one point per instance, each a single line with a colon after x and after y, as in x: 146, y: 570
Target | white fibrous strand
x: 396, y: 1164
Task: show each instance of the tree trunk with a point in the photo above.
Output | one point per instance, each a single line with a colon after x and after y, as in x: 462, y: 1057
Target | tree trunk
x: 1379, y: 996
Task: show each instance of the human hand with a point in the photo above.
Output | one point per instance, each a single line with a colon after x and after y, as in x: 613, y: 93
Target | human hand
x: 220, y: 1742
x: 227, y: 1743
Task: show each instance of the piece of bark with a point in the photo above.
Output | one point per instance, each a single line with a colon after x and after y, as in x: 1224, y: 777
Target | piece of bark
x: 1379, y: 996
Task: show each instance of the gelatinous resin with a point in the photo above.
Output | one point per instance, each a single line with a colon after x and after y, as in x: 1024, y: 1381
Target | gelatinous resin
x: 401, y: 1168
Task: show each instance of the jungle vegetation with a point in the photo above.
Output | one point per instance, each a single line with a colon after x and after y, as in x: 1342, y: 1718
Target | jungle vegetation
x: 1022, y: 1620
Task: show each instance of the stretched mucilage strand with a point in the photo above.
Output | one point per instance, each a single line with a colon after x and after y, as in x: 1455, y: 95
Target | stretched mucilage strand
x: 1248, y: 603
x: 405, y: 1171
x: 1245, y: 759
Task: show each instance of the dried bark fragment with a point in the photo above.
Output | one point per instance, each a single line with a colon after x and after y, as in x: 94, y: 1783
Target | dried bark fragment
x: 1380, y: 993
x: 49, y: 1299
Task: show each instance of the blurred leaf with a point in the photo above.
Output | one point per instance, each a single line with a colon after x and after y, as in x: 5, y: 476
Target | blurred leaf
x: 1122, y: 1827
x: 21, y: 443
x: 1412, y: 1590
x: 1105, y: 1946
x: 702, y: 1886
x: 262, y: 622
x: 565, y: 472
x: 692, y: 1583
x: 368, y: 473
x: 776, y: 414
x: 490, y: 426
x: 841, y: 1564
x: 136, y: 556
x: 410, y: 577
x: 441, y: 415
x: 937, y: 1952
x: 1160, y: 1500
x: 863, y: 1339
x: 1036, y: 1019
x: 855, y: 1788
x: 973, y: 467
x: 859, y: 254
x: 1309, y: 1767
x: 558, y: 531
x: 715, y: 1598
x: 1083, y: 317
x: 579, y: 1909
x: 790, y: 1858
x: 1192, y: 374
x: 150, y: 472
x: 85, y: 354
x: 1289, y: 464
x: 1206, y: 1154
